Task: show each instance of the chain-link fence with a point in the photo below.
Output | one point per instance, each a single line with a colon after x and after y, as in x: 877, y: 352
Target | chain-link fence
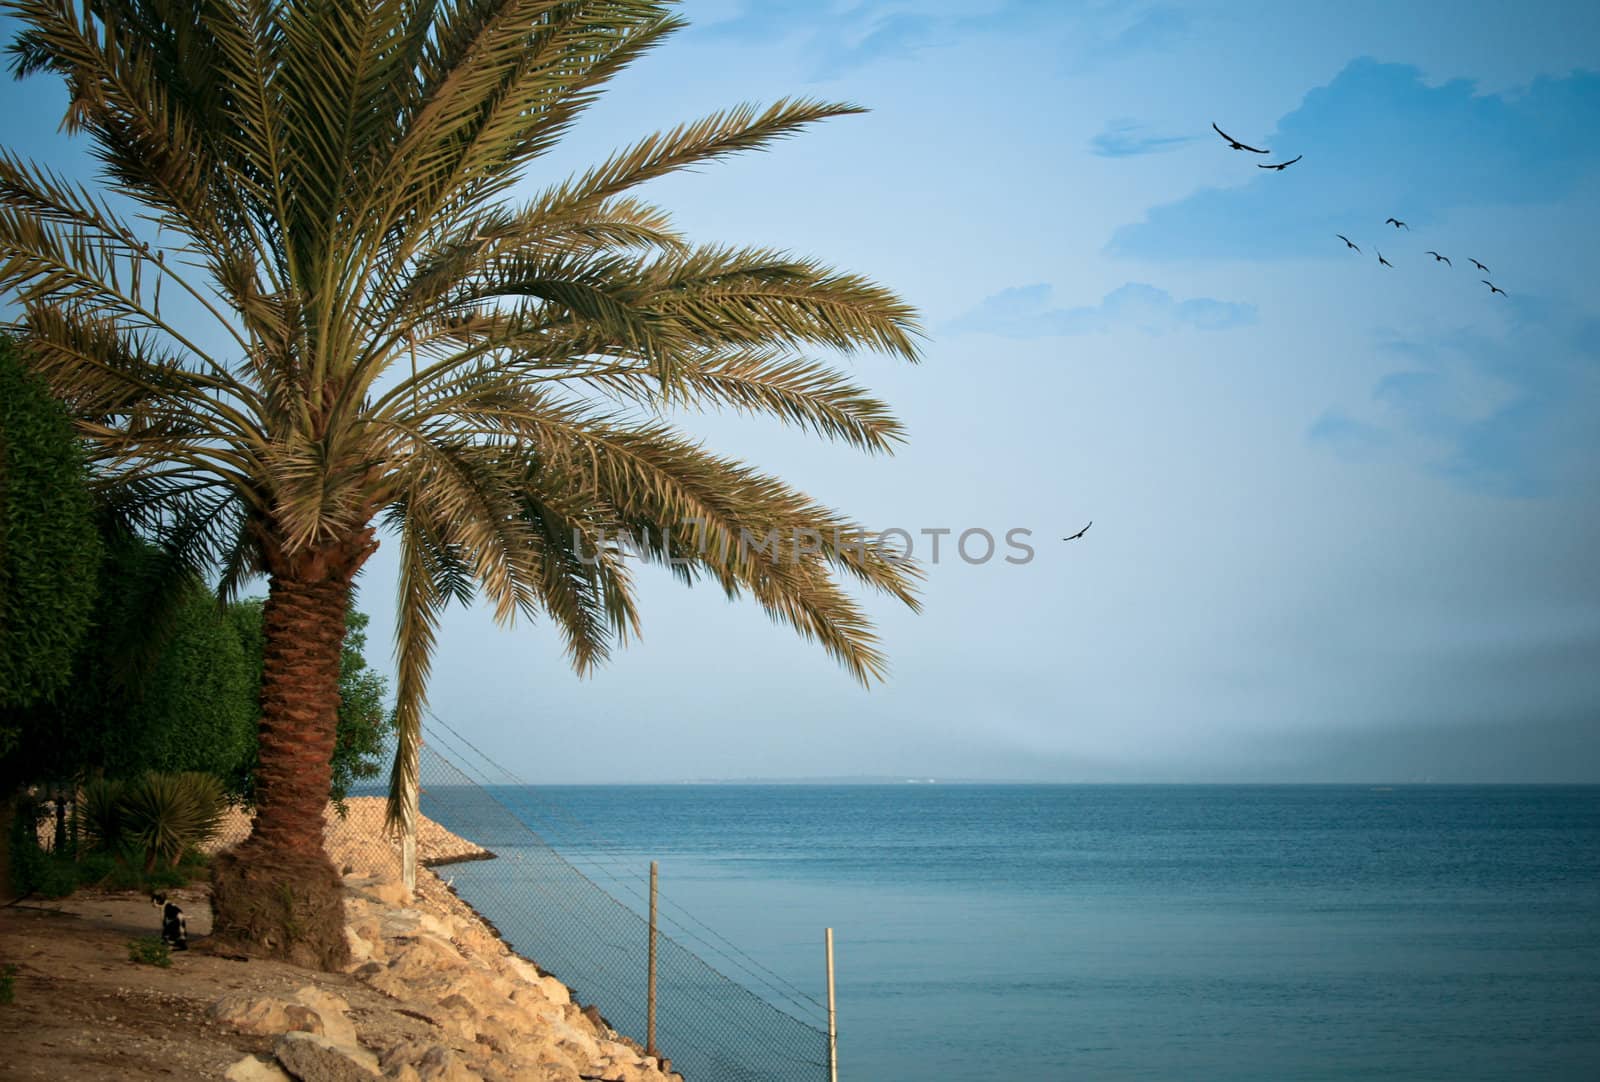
x: 354, y: 833
x: 714, y: 1028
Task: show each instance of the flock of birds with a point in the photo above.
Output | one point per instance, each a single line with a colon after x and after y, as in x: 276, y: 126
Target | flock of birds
x: 1234, y: 144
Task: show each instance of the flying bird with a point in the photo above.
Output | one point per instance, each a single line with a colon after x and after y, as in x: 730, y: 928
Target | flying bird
x: 1397, y: 223
x: 1281, y: 166
x: 1437, y: 258
x: 1235, y: 144
x: 1346, y: 240
x: 1480, y: 266
x: 1080, y: 533
x: 1384, y: 261
x: 1492, y: 287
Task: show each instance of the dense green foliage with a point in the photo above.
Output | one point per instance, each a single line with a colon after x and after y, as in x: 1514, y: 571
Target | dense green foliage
x: 162, y: 681
x: 48, y: 544
x: 199, y: 707
x: 130, y: 834
x: 48, y: 551
x: 168, y: 680
x: 56, y: 875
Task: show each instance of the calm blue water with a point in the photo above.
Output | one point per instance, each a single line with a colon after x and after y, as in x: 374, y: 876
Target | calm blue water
x: 1142, y: 932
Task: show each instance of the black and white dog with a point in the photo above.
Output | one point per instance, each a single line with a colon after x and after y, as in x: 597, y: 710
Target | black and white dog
x: 174, y: 932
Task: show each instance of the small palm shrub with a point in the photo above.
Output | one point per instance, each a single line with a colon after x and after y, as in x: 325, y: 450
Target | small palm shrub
x: 152, y: 819
x: 162, y: 815
x: 100, y: 814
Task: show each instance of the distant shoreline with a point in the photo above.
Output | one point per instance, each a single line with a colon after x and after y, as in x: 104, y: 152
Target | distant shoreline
x: 895, y: 782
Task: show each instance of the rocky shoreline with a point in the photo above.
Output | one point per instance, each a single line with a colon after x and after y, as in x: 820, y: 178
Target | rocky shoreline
x: 478, y: 1012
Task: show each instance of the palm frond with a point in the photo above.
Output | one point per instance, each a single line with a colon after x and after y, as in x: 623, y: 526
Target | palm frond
x: 730, y: 131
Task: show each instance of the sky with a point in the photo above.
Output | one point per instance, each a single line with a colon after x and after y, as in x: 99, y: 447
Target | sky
x: 1346, y: 517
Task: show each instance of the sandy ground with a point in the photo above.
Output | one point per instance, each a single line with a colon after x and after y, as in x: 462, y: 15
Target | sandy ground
x: 83, y: 1012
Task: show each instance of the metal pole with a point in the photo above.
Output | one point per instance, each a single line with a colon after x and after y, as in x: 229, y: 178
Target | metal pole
x: 408, y: 844
x: 833, y: 1025
x: 650, y: 1021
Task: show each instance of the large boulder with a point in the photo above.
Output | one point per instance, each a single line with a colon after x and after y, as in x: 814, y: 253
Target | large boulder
x: 311, y: 1057
x: 264, y: 1015
x: 440, y: 1064
x: 422, y: 956
x: 332, y: 1011
x: 256, y: 1069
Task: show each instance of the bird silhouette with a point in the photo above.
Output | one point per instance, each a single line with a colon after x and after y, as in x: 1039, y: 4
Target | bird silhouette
x: 1234, y: 143
x: 1384, y: 261
x: 1480, y: 266
x: 1437, y: 258
x: 1281, y: 166
x: 1397, y: 223
x: 1347, y: 242
x: 1492, y: 287
x: 1080, y: 533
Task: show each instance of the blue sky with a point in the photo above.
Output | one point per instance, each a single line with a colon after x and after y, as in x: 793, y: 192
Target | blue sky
x: 1345, y: 516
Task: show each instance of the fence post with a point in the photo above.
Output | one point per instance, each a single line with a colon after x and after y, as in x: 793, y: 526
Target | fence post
x: 650, y: 1002
x: 408, y: 827
x: 833, y: 1026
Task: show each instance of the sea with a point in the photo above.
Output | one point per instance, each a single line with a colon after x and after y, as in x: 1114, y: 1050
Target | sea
x: 1201, y: 933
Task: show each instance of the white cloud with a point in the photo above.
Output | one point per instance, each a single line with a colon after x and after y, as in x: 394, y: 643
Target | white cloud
x: 1025, y: 312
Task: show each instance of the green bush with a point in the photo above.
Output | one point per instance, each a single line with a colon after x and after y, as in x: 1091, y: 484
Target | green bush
x: 96, y: 868
x: 149, y: 951
x: 8, y: 985
x: 55, y: 877
x: 198, y: 707
x: 34, y: 870
x: 120, y: 875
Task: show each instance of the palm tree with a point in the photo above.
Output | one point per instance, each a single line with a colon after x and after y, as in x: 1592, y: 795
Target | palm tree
x: 394, y: 342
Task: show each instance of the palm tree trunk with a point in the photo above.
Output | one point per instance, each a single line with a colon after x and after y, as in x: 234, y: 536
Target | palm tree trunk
x: 278, y: 894
x: 303, y: 631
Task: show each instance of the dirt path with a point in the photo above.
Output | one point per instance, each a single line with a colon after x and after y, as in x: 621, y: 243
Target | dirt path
x: 84, y: 1013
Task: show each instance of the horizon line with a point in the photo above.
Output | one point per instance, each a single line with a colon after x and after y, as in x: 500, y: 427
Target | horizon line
x: 895, y: 781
